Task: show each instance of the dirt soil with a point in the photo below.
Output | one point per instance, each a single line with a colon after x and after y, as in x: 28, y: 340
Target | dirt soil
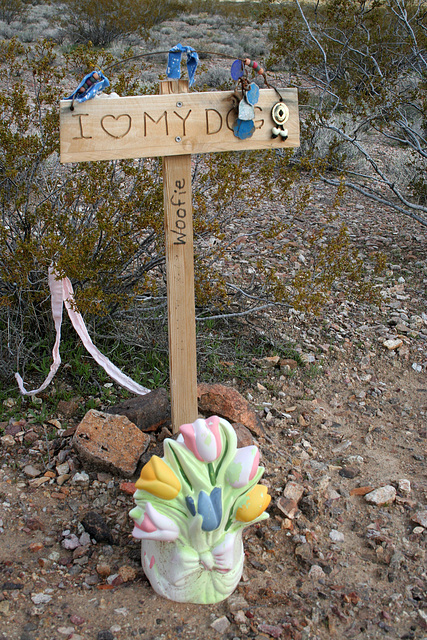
x: 353, y: 417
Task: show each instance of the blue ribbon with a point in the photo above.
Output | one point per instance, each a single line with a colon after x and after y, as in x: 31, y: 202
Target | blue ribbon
x: 93, y: 90
x: 173, y: 70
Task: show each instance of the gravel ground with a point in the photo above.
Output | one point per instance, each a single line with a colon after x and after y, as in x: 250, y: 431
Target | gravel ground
x: 352, y: 420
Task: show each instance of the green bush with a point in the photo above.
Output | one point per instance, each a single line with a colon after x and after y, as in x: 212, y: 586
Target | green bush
x: 103, y: 21
x: 101, y: 223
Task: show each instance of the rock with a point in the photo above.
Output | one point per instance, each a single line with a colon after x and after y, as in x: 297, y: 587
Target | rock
x: 273, y: 630
x: 293, y: 491
x: 127, y: 573
x: 37, y: 482
x: 392, y: 344
x: 105, y: 634
x: 68, y: 408
x: 71, y: 542
x: 41, y: 598
x: 63, y: 479
x: 12, y: 586
x: 164, y: 433
x: 422, y: 617
x: 308, y: 507
x: 62, y: 469
x: 221, y: 625
x: 381, y: 496
x: 420, y: 517
x: 84, y: 539
x: 128, y: 488
x: 110, y: 442
x: 34, y: 524
x: 240, y: 617
x: 361, y: 491
x: 149, y: 412
x: 97, y: 528
x: 13, y: 428
x: 349, y: 472
x: 236, y: 603
x: 7, y: 441
x: 288, y: 362
x: 336, y: 536
x: 30, y: 437
x: 244, y: 436
x: 81, y: 478
x: 304, y: 553
x: 103, y: 570
x: 316, y: 572
x: 217, y: 399
x: 332, y: 494
x: 65, y: 631
x: 268, y: 362
x: 288, y: 507
x: 404, y: 486
x: 308, y: 358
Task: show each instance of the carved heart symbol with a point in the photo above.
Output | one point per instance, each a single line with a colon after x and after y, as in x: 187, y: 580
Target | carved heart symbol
x: 121, y: 130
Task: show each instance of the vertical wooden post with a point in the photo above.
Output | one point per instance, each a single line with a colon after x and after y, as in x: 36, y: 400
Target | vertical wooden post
x: 180, y: 279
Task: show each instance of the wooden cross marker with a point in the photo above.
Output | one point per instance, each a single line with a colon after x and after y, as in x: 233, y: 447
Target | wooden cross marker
x: 173, y: 125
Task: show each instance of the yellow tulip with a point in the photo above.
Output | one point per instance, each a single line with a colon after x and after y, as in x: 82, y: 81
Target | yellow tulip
x: 253, y: 504
x: 159, y: 479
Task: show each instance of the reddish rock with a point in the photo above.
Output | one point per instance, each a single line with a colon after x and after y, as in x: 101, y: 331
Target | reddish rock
x: 361, y: 491
x: 110, y: 442
x: 150, y: 412
x: 217, y: 399
x: 128, y: 487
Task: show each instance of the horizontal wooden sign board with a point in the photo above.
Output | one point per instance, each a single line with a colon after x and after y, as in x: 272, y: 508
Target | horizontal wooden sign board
x: 168, y: 125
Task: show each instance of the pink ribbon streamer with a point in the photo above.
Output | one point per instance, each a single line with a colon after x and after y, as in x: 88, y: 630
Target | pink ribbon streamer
x: 61, y: 291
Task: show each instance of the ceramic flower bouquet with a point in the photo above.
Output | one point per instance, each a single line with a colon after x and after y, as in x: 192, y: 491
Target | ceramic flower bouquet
x: 192, y: 506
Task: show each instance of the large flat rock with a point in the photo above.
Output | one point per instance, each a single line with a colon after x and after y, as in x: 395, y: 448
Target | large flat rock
x: 150, y: 412
x: 226, y: 402
x: 110, y: 442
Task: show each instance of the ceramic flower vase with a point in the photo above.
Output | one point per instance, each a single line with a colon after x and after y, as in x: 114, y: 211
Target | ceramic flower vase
x: 192, y: 506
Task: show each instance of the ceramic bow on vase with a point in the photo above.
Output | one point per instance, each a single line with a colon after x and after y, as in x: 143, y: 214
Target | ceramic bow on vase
x: 192, y: 506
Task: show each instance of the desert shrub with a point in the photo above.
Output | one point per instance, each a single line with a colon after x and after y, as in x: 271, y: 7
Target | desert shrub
x: 216, y: 78
x: 10, y: 10
x: 103, y: 21
x: 101, y: 223
x: 253, y: 46
x: 365, y: 68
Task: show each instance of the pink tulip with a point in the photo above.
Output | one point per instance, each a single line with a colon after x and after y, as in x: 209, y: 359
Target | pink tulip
x: 153, y: 525
x: 244, y: 467
x: 203, y: 438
